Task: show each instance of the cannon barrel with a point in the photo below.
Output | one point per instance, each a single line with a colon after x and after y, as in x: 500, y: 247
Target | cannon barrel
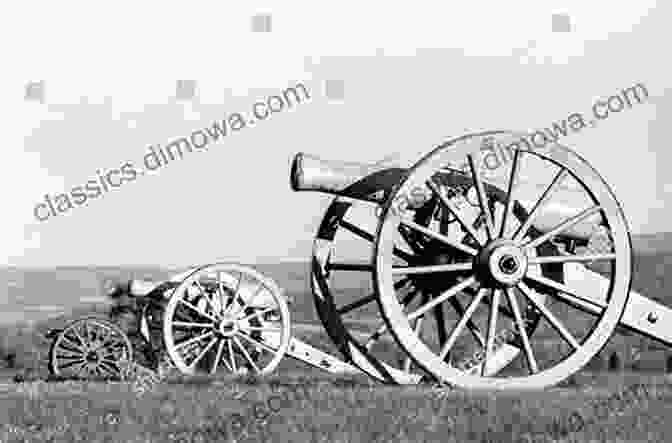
x: 143, y: 288
x: 364, y: 182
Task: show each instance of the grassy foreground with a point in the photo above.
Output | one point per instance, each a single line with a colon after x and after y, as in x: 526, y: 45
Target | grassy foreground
x: 313, y: 408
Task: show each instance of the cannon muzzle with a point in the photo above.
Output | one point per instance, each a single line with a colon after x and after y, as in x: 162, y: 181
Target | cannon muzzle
x: 346, y: 179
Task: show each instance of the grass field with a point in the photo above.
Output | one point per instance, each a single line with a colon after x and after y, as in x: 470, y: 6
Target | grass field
x: 299, y: 403
x: 312, y: 407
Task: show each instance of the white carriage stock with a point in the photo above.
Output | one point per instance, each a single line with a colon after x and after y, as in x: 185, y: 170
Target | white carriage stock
x: 349, y: 180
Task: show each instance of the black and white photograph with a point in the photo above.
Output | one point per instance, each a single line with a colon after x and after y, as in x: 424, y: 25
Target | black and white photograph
x: 344, y: 222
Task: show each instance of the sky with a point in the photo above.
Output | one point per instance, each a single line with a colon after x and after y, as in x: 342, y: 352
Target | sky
x: 414, y: 75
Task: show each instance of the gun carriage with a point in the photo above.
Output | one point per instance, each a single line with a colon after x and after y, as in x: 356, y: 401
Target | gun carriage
x: 479, y: 280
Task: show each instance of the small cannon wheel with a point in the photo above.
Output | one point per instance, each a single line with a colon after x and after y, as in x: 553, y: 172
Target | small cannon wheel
x: 91, y: 348
x: 226, y: 317
x: 497, y: 266
x: 351, y: 321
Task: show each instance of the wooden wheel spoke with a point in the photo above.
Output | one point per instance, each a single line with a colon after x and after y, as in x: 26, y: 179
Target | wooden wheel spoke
x: 439, y: 316
x: 406, y: 256
x: 236, y: 293
x: 256, y: 342
x: 202, y: 354
x: 509, y: 194
x: 66, y: 338
x: 82, y: 342
x: 115, y: 348
x: 475, y: 331
x: 407, y: 364
x: 218, y: 357
x: 220, y: 290
x: 361, y: 267
x: 207, y: 297
x: 441, y: 298
x: 442, y: 238
x: 545, y: 197
x: 368, y: 299
x: 97, y: 371
x: 492, y: 327
x: 103, y: 368
x: 482, y: 198
x: 567, y: 294
x: 198, y: 311
x: 456, y: 212
x: 108, y: 356
x: 373, y: 338
x: 193, y: 325
x: 71, y: 363
x: 562, y: 226
x: 453, y: 267
x: 102, y: 338
x: 232, y: 356
x: 570, y: 258
x: 246, y: 354
x: 361, y: 233
x: 223, y: 296
x: 529, y: 354
x: 193, y: 340
x: 262, y: 329
x: 70, y: 356
x: 248, y: 303
x: 502, y: 309
x: 258, y: 313
x: 412, y: 242
x: 81, y: 368
x: 85, y: 332
x: 401, y: 283
x: 71, y: 348
x: 447, y: 346
x: 548, y: 315
x: 357, y: 304
x: 110, y: 342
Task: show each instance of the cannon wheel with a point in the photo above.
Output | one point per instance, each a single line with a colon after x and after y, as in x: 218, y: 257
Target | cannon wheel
x: 358, y: 344
x: 498, y: 268
x: 91, y: 348
x: 226, y: 316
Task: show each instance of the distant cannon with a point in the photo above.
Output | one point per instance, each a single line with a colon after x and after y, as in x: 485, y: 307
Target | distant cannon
x: 223, y: 317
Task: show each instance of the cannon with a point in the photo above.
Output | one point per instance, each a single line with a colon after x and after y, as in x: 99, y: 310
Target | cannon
x: 481, y: 279
x: 544, y: 263
x: 222, y: 317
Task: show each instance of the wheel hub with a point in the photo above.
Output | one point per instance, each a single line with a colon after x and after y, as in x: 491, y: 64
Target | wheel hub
x: 227, y: 327
x: 502, y: 263
x: 92, y: 357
